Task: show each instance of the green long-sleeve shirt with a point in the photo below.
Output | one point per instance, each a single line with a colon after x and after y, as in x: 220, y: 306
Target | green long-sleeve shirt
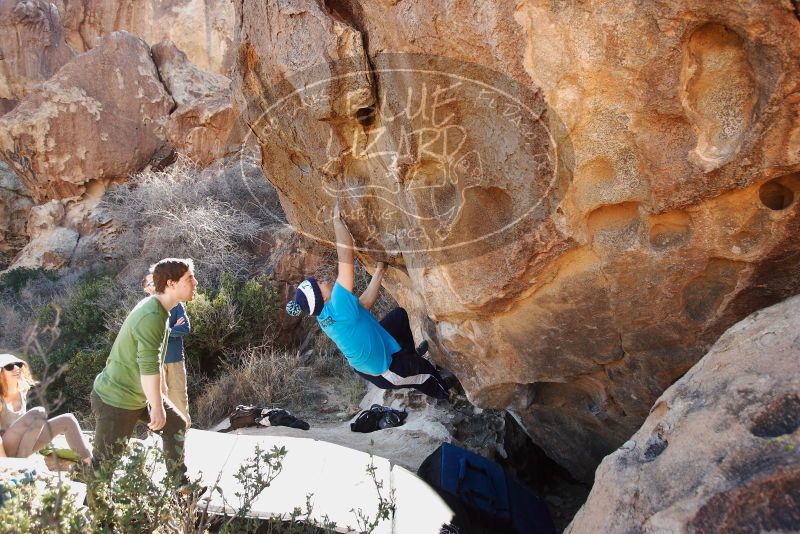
x: 138, y: 350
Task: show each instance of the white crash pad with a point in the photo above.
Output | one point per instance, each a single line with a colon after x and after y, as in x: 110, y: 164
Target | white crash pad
x: 334, y: 476
x: 15, y: 470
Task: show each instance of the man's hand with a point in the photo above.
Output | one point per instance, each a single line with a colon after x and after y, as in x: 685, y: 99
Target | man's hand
x: 180, y: 321
x: 380, y: 266
x: 158, y: 417
x: 152, y: 386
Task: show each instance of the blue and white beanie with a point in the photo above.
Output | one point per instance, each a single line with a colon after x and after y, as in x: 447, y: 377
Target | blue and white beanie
x: 307, y: 298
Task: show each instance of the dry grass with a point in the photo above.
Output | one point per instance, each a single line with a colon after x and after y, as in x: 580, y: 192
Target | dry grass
x: 323, y: 356
x: 331, y: 368
x: 258, y: 375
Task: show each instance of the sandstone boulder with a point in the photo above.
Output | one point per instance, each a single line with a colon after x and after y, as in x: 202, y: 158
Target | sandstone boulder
x: 574, y: 203
x: 44, y: 218
x: 51, y: 249
x: 100, y: 118
x: 202, y: 28
x: 32, y: 47
x: 720, y: 450
x: 15, y: 205
x: 184, y: 81
x: 202, y: 126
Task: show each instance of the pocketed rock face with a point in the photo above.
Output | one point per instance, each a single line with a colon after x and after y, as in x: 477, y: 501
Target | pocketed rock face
x: 719, y: 93
x: 101, y: 117
x: 720, y: 450
x: 569, y: 262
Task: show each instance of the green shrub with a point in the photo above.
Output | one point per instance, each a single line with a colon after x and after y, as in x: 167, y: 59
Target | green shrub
x: 16, y: 279
x: 226, y: 320
x: 26, y: 510
x: 82, y: 317
x: 126, y: 498
x: 74, y: 330
x: 79, y: 376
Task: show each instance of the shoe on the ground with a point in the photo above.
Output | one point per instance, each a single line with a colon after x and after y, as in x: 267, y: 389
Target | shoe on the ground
x: 422, y: 348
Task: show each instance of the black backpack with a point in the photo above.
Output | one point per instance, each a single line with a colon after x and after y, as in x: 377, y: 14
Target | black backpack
x: 376, y: 418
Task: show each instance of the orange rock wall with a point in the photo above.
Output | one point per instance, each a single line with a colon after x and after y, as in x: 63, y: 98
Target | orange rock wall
x: 647, y: 201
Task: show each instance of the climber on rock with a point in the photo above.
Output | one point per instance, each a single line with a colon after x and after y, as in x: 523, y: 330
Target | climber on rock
x: 383, y: 353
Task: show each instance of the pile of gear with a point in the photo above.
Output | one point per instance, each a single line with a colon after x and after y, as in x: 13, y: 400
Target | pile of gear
x: 377, y: 418
x: 244, y: 416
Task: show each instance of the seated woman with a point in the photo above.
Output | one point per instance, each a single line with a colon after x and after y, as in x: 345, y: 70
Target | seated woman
x: 24, y: 431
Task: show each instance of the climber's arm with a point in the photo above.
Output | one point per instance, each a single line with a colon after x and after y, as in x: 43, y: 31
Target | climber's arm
x: 344, y: 250
x: 370, y: 295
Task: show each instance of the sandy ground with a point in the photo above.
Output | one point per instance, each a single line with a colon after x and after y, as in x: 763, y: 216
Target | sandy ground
x: 428, y: 425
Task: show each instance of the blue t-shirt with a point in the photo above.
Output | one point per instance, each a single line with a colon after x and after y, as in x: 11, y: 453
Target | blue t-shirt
x: 361, y: 338
x: 176, y: 332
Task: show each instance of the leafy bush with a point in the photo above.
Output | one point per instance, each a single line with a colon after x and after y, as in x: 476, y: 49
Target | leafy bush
x: 126, y: 498
x: 25, y: 510
x: 78, y: 343
x: 80, y: 374
x: 224, y: 321
x: 83, y: 315
x: 13, y: 281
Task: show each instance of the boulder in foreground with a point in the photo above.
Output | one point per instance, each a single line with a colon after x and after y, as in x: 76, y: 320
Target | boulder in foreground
x: 720, y: 451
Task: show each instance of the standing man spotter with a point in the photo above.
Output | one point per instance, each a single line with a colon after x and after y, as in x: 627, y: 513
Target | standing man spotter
x: 131, y: 387
x: 174, y: 360
x: 382, y: 352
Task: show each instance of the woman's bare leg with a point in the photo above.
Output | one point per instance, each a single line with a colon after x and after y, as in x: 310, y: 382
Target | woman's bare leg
x: 65, y: 424
x: 20, y: 438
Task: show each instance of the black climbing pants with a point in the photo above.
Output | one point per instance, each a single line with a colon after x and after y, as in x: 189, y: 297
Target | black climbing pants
x: 408, y: 369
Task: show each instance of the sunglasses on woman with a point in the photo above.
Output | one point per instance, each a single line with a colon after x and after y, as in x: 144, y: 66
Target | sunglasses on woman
x: 10, y: 366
